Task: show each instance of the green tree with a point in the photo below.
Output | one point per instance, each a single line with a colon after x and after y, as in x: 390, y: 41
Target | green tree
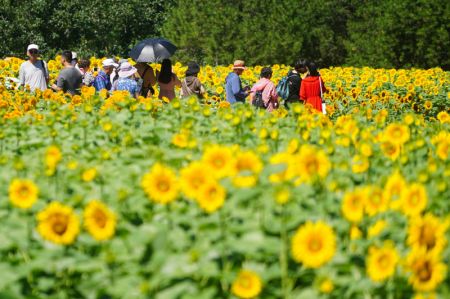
x: 91, y: 27
x: 263, y: 32
x: 400, y: 34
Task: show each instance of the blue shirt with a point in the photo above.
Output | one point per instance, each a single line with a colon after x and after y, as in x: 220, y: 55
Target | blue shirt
x: 233, y: 88
x: 102, y: 81
x: 127, y: 84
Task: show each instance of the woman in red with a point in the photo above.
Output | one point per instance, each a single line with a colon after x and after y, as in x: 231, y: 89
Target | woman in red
x: 312, y: 88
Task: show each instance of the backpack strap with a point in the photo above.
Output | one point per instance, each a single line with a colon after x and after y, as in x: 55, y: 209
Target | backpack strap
x: 45, y: 69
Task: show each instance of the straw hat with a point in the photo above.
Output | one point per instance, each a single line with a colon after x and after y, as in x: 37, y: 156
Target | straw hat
x: 126, y: 70
x: 239, y: 65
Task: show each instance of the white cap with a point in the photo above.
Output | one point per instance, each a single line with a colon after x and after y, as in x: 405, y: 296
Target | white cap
x: 32, y: 46
x: 109, y: 62
x: 74, y: 55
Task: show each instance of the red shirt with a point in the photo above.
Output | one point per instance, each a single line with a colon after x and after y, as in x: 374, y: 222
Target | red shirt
x: 310, y: 91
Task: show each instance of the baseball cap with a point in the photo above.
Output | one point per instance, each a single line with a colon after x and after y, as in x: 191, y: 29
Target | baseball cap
x: 32, y: 46
x: 74, y: 55
x: 109, y: 62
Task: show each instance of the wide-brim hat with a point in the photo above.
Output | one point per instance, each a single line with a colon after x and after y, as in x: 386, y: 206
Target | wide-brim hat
x: 126, y: 70
x: 109, y: 62
x: 239, y: 65
x: 193, y: 69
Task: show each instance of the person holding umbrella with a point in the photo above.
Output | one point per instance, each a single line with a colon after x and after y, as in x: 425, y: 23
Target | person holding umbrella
x: 153, y: 50
x: 147, y: 75
x: 167, y: 80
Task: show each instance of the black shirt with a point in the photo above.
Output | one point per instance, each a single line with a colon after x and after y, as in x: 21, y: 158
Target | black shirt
x: 294, y: 85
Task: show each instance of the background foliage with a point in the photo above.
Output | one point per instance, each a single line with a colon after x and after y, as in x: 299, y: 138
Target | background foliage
x: 380, y: 33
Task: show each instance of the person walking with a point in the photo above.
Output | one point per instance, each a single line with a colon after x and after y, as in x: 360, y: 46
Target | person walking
x: 233, y: 85
x: 266, y: 89
x: 147, y: 75
x: 312, y: 88
x: 191, y: 85
x: 127, y: 80
x: 103, y: 81
x: 88, y: 78
x: 295, y: 80
x: 33, y: 72
x: 69, y: 79
x: 167, y: 80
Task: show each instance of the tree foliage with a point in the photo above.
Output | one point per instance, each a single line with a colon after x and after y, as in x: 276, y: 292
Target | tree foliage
x: 93, y: 27
x: 381, y: 33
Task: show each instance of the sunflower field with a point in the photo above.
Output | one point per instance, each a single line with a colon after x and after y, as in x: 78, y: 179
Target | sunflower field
x: 105, y: 196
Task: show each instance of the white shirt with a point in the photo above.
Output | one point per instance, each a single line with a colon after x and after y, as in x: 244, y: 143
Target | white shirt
x: 34, y: 74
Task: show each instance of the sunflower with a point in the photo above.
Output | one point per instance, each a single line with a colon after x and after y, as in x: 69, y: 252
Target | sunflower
x: 390, y: 150
x: 376, y: 202
x: 443, y: 117
x: 393, y: 189
x: 443, y: 149
x: 58, y: 223
x: 52, y: 156
x: 326, y: 286
x: 247, y: 285
x: 311, y: 164
x: 382, y: 261
x: 211, y: 196
x: 360, y: 164
x: 413, y: 199
x: 353, y: 205
x: 160, y: 184
x: 89, y: 174
x: 314, y: 244
x: 99, y: 220
x: 428, y: 105
x: 397, y: 134
x: 282, y: 195
x: 376, y: 229
x: 220, y: 160
x: 426, y: 270
x: 23, y: 193
x: 427, y: 232
x: 180, y: 140
x: 286, y: 172
x: 193, y: 177
x: 247, y: 168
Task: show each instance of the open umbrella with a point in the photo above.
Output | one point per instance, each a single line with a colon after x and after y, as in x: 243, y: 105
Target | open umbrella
x: 152, y: 50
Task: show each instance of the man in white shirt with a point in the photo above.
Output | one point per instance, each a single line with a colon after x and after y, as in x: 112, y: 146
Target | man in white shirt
x: 33, y: 72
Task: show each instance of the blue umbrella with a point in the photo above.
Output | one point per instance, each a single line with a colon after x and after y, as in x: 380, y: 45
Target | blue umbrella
x: 152, y: 50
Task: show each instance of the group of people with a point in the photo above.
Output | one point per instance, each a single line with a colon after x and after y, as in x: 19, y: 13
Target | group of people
x: 305, y: 85
x: 304, y: 81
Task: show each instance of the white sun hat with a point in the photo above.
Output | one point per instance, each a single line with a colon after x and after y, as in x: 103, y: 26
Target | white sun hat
x: 109, y: 62
x: 32, y: 46
x: 126, y: 70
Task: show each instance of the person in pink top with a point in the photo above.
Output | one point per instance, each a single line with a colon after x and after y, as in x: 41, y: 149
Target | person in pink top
x: 267, y: 87
x: 167, y: 80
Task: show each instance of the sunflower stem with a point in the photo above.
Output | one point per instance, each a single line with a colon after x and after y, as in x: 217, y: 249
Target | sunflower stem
x: 222, y: 224
x: 283, y: 256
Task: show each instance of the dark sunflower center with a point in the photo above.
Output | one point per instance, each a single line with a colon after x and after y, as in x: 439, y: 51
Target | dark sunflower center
x: 315, y: 244
x: 425, y: 271
x: 59, y: 224
x: 100, y: 218
x: 427, y: 237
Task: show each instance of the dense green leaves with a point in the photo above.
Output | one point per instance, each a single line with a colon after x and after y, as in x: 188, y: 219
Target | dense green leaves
x: 92, y: 27
x: 363, y: 33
